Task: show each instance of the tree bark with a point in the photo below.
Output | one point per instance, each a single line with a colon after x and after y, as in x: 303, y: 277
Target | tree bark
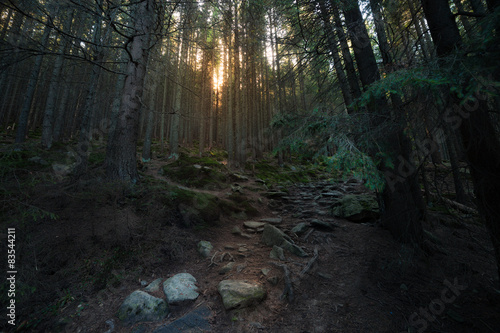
x: 481, y: 143
x: 401, y: 203
x: 361, y: 44
x: 54, y: 87
x: 22, y: 124
x: 121, y: 163
x: 332, y: 45
x: 352, y: 77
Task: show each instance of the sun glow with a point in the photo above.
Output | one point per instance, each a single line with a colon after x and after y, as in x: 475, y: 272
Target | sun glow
x: 218, y: 78
x: 218, y: 75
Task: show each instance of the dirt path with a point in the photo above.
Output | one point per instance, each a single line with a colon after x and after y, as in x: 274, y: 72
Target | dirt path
x: 361, y: 281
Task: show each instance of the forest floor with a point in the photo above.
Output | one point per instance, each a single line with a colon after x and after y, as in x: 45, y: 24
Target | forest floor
x: 84, y: 245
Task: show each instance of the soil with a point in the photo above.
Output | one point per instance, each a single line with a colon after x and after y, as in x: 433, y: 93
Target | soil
x: 106, y: 240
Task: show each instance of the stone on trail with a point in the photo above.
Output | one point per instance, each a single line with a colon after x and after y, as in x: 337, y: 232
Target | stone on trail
x: 240, y: 294
x: 274, y: 220
x: 318, y: 224
x: 356, y: 208
x: 333, y: 194
x: 254, y: 225
x: 154, y: 286
x: 277, y: 253
x: 300, y: 228
x: 237, y: 231
x: 140, y: 306
x: 195, y: 321
x: 181, y: 287
x: 226, y: 268
x: 204, y: 248
x: 274, y: 236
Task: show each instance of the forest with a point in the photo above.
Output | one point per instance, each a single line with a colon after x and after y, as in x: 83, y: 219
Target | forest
x: 340, y: 156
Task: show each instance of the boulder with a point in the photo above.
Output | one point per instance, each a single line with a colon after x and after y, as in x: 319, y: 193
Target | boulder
x: 141, y: 306
x: 356, y: 207
x: 180, y: 288
x: 204, y: 248
x: 239, y: 294
x: 274, y: 236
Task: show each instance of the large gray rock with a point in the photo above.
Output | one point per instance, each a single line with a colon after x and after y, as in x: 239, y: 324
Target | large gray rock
x: 141, y: 306
x: 180, y: 288
x: 356, y: 207
x: 273, y: 236
x: 239, y: 294
x: 195, y: 321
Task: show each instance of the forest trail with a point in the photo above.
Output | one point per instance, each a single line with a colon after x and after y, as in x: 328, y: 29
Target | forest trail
x: 360, y: 280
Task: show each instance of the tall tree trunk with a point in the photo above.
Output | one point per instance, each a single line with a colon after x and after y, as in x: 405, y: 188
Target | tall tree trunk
x: 481, y: 143
x: 151, y: 107
x: 401, y: 205
x: 380, y: 30
x: 176, y: 116
x: 426, y: 54
x: 352, y: 77
x: 22, y: 124
x: 54, y: 86
x: 121, y: 163
x: 332, y: 45
x: 361, y: 44
x: 85, y: 135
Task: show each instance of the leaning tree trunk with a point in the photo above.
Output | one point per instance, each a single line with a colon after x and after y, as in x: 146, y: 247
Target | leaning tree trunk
x: 121, y: 163
x: 482, y: 147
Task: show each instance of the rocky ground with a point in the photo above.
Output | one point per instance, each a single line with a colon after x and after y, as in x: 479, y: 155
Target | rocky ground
x: 352, y: 277
x: 305, y: 256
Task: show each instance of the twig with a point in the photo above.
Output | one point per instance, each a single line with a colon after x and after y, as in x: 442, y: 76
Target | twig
x: 212, y: 262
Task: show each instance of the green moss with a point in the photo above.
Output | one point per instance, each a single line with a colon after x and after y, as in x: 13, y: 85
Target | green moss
x: 274, y: 174
x: 238, y: 206
x: 194, y: 207
x: 196, y: 172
